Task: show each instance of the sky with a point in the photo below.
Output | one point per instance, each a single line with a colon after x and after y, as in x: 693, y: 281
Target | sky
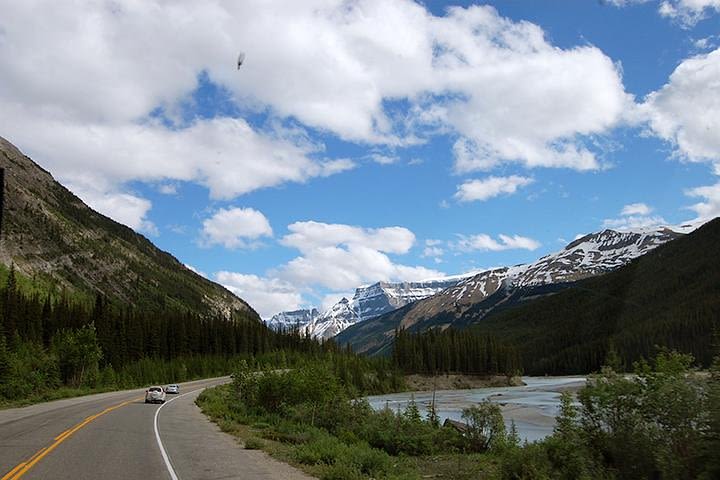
x: 367, y: 140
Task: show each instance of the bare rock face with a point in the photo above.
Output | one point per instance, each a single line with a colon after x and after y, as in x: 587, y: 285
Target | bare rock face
x: 51, y: 235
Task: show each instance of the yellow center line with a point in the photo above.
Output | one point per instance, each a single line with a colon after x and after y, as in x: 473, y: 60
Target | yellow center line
x: 23, y: 467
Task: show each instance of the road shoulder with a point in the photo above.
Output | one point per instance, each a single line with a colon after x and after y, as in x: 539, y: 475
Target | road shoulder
x: 198, y: 449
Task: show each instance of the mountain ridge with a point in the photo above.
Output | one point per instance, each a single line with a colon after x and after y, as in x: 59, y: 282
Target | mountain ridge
x: 50, y: 233
x: 591, y: 255
x: 368, y: 302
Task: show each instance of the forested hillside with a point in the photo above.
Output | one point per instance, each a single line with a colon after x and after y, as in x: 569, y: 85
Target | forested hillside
x: 48, y: 341
x: 669, y: 298
x: 50, y: 235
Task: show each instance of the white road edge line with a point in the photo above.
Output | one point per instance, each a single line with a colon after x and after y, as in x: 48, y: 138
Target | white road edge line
x: 169, y: 466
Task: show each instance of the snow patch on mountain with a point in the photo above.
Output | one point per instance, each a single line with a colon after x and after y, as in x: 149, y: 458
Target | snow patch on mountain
x: 590, y: 255
x: 368, y: 302
x: 292, y: 320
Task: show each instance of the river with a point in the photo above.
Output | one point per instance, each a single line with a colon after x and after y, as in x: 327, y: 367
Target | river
x: 533, y: 406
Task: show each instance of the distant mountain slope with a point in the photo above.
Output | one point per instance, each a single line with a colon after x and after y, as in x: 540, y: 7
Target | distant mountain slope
x: 50, y: 234
x: 473, y: 298
x: 669, y: 297
x: 367, y: 302
x: 292, y: 319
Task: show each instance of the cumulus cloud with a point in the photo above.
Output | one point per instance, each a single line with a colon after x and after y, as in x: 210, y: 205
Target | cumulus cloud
x: 499, y: 85
x: 484, y: 242
x: 235, y: 228
x: 384, y: 159
x: 267, y: 296
x: 688, y: 12
x: 709, y: 208
x: 309, y: 236
x: 685, y: 12
x: 125, y: 208
x: 634, y: 222
x: 520, y: 98
x: 490, y: 187
x: 433, y: 249
x: 635, y: 216
x: 168, y: 189
x: 342, y: 257
x: 686, y: 111
x: 635, y: 209
x: 623, y: 3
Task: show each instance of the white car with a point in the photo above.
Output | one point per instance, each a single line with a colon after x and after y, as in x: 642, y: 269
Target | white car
x: 173, y: 388
x: 155, y: 395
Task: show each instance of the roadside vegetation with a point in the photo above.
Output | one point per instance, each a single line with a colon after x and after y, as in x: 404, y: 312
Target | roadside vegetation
x: 663, y: 422
x: 58, y: 344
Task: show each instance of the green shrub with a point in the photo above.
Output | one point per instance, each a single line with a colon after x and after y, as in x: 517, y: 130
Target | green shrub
x: 341, y: 471
x: 486, y: 428
x: 324, y: 449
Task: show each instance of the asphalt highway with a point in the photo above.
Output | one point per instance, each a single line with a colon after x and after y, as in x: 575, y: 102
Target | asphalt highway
x: 117, y: 436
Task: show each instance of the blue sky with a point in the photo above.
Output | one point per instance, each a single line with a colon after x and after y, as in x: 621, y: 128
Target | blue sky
x: 369, y: 140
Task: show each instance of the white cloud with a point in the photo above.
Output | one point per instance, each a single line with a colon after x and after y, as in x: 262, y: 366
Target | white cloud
x: 332, y: 167
x: 624, y: 3
x: 267, y: 296
x: 634, y: 222
x: 485, y: 242
x: 634, y: 216
x: 384, y: 159
x: 506, y: 91
x: 490, y: 187
x: 342, y: 257
x: 521, y: 98
x: 686, y: 111
x: 124, y: 208
x: 235, y: 228
x: 433, y: 252
x: 706, y: 43
x: 224, y: 154
x: 636, y: 209
x: 193, y: 269
x: 688, y: 12
x: 433, y: 249
x: 709, y: 208
x: 309, y: 236
x: 168, y: 188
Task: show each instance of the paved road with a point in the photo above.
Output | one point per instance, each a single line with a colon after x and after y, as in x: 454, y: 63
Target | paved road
x: 117, y: 436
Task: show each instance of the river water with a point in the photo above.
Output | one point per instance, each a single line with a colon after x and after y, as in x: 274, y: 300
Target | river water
x: 533, y: 406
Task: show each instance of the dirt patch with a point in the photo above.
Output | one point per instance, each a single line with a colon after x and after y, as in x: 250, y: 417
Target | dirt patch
x: 459, y: 382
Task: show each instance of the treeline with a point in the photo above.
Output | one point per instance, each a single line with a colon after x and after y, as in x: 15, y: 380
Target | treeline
x: 52, y: 341
x: 454, y: 351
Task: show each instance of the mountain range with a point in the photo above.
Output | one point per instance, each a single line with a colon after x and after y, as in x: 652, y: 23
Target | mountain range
x: 666, y: 299
x: 367, y: 302
x: 474, y: 298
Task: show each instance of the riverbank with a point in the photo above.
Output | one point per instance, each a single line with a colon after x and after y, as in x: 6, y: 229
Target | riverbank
x: 453, y: 381
x: 532, y: 406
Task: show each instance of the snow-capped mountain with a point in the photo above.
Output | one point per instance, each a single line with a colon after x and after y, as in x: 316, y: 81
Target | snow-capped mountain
x: 587, y: 256
x: 591, y: 255
x: 333, y: 321
x: 368, y: 302
x: 293, y: 319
